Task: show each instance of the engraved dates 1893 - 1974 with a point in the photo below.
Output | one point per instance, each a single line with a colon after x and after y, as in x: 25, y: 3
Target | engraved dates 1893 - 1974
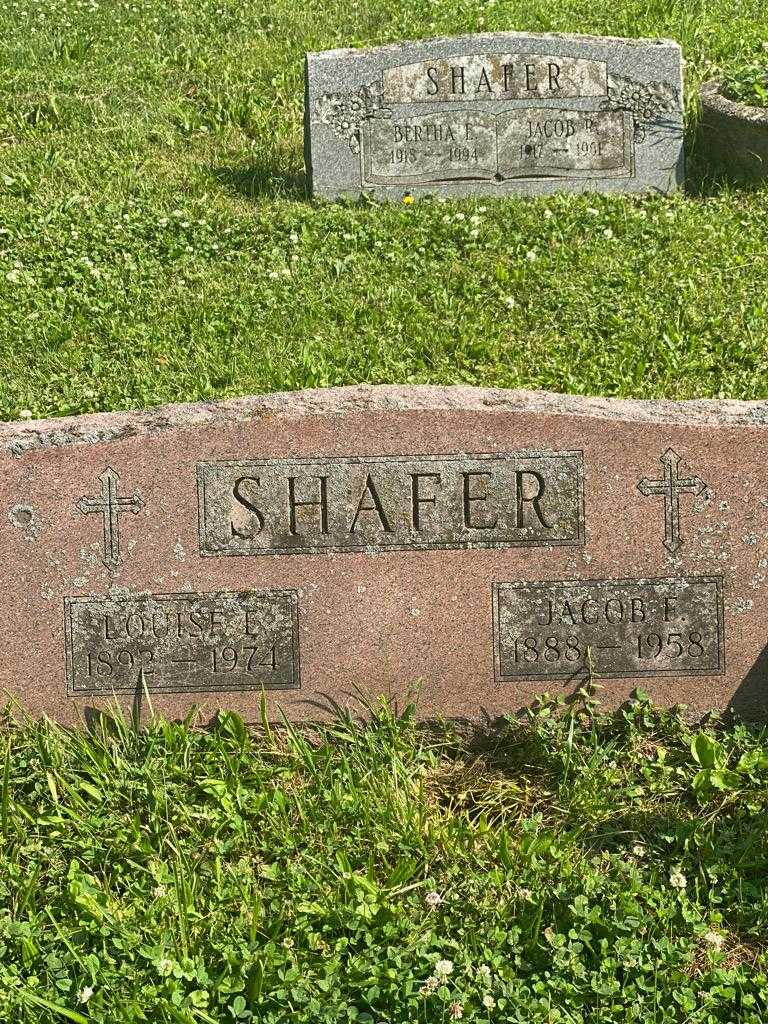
x: 615, y: 627
x: 183, y: 642
x: 390, y: 502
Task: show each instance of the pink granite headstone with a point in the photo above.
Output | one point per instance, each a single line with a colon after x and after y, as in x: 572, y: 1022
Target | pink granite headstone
x: 482, y: 546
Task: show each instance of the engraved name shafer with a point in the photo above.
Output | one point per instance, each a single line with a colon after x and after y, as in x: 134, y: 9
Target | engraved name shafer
x: 495, y: 76
x: 183, y: 642
x: 390, y: 502
x: 624, y: 627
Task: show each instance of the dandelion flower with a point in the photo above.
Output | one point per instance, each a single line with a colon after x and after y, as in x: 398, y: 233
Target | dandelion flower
x: 407, y: 200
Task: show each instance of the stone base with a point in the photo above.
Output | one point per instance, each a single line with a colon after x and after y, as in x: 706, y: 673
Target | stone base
x: 733, y: 135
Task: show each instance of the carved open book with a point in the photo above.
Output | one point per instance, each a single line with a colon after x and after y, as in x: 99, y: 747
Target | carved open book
x: 529, y: 142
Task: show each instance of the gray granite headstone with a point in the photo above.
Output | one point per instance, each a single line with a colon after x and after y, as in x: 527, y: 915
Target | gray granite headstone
x: 495, y: 114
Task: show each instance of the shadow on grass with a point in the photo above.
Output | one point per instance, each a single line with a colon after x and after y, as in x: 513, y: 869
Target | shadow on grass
x: 750, y: 701
x: 263, y: 181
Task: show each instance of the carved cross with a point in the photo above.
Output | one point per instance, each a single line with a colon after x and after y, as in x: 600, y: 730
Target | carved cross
x: 671, y: 486
x: 110, y: 507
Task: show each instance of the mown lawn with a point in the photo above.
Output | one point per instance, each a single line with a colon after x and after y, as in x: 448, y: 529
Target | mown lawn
x: 567, y: 869
x: 156, y: 245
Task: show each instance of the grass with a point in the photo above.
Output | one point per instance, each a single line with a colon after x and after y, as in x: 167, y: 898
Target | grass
x: 569, y: 867
x: 156, y: 245
x: 749, y: 85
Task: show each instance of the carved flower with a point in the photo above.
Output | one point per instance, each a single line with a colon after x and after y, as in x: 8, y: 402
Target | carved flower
x: 344, y: 112
x: 647, y: 102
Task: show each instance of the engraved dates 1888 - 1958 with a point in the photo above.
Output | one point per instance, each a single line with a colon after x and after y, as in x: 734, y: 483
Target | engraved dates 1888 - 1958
x: 612, y: 627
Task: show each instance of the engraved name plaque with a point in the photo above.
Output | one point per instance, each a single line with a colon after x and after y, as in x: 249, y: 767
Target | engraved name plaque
x: 624, y: 627
x: 284, y: 506
x: 183, y: 642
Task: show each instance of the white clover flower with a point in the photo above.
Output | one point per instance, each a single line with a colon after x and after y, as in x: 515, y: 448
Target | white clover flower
x: 484, y: 971
x: 638, y: 850
x: 677, y: 879
x: 455, y: 1011
x: 608, y: 232
x: 273, y: 275
x: 165, y: 966
x: 429, y: 986
x: 433, y: 899
x: 159, y: 891
x: 459, y: 216
x: 489, y: 1002
x: 531, y: 255
x: 25, y: 414
x: 482, y: 209
x: 474, y: 233
x: 509, y: 302
x: 593, y: 211
x: 443, y: 968
x: 548, y: 214
x: 714, y: 939
x: 294, y: 237
x: 474, y: 220
x: 85, y: 994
